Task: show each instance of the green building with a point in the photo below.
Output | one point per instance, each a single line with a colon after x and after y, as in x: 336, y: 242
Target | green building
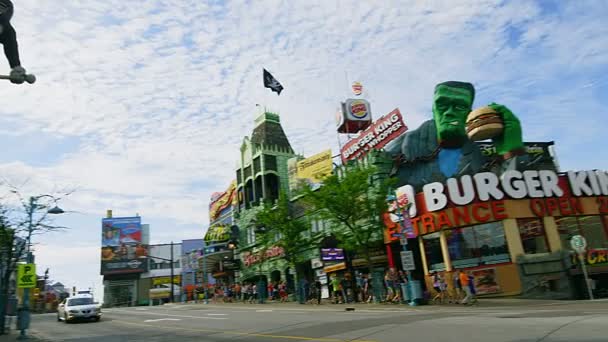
x: 261, y: 175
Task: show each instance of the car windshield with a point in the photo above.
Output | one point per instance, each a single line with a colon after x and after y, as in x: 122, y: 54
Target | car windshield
x: 80, y: 301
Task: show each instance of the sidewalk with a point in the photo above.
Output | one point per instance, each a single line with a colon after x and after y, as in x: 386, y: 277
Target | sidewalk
x: 13, y: 334
x: 483, y: 302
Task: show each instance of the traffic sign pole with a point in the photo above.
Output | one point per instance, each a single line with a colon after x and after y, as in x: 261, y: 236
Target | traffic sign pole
x: 579, y: 245
x: 581, y: 258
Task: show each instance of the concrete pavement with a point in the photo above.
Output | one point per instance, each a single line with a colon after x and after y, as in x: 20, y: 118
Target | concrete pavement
x: 545, y: 321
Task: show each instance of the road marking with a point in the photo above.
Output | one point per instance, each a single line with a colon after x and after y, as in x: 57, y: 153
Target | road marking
x: 141, y: 309
x: 162, y: 319
x: 263, y: 310
x: 211, y: 314
x: 238, y: 333
x: 169, y: 315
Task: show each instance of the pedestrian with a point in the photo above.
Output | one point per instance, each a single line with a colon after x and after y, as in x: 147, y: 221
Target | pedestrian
x: 464, y: 282
x: 237, y: 292
x: 254, y: 290
x: 473, y: 299
x: 8, y: 38
x: 335, y: 284
x: 457, y: 292
x: 318, y: 289
x: 270, y: 289
x: 283, y: 292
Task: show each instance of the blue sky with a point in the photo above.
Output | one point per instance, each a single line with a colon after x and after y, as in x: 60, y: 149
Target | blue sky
x: 141, y: 105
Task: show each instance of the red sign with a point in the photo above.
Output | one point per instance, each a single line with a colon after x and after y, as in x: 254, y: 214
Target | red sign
x: 376, y: 136
x: 250, y: 259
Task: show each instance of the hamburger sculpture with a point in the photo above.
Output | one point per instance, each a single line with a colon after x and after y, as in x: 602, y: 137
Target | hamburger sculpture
x: 484, y: 123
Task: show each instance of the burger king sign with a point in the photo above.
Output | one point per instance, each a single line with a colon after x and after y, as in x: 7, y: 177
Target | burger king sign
x: 358, y: 109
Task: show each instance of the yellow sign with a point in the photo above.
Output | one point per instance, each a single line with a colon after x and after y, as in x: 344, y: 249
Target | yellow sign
x: 26, y: 276
x: 36, y: 292
x: 314, y: 169
x: 218, y: 233
x: 177, y: 279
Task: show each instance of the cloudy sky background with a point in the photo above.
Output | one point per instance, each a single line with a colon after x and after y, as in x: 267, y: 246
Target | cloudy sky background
x: 141, y: 105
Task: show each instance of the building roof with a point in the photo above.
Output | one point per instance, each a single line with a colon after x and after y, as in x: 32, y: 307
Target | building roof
x: 268, y: 131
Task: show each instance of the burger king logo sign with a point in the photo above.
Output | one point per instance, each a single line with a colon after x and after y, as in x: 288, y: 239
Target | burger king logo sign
x: 359, y: 109
x: 357, y: 88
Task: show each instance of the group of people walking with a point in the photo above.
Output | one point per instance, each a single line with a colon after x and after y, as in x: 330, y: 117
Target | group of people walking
x: 462, y: 291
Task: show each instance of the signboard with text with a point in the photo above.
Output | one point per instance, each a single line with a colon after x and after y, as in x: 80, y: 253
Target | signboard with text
x: 332, y: 254
x: 376, y: 136
x: 486, y: 197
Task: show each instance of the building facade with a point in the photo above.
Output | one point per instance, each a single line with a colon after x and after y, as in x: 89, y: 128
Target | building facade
x: 261, y: 175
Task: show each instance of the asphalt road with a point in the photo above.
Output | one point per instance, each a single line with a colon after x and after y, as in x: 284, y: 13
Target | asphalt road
x: 567, y: 322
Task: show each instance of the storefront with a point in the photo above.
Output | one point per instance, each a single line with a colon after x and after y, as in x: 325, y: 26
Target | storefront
x: 512, y: 232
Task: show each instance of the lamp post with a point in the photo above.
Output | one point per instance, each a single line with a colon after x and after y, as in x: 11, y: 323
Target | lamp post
x: 205, y: 278
x: 31, y: 209
x: 172, y: 266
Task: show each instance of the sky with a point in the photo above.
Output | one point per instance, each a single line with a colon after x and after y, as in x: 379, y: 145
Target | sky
x: 141, y: 106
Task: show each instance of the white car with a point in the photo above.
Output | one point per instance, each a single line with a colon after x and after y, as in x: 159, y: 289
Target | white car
x: 79, y: 307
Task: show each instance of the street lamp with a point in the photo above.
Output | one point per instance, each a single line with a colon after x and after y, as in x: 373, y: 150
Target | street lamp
x: 24, y: 320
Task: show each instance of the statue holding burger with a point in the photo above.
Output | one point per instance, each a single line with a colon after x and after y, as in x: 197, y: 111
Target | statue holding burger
x: 444, y: 146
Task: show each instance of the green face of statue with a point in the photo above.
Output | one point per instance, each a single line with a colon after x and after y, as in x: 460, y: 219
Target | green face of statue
x: 451, y: 106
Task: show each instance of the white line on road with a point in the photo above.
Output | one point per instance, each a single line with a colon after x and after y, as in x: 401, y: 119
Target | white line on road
x: 162, y: 319
x: 263, y: 310
x: 211, y: 314
x: 141, y: 309
x: 165, y: 315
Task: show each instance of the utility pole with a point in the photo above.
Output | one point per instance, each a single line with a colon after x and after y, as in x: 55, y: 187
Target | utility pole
x: 172, y: 263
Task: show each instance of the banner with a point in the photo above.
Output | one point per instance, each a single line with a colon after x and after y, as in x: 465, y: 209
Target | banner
x: 122, y: 250
x: 311, y: 170
x: 376, y: 136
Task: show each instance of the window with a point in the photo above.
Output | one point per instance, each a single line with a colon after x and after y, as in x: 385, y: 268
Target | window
x: 483, y: 244
x: 533, y: 236
x: 432, y: 250
x: 591, y: 227
x: 250, y: 236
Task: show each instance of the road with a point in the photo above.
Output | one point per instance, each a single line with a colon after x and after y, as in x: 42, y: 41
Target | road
x: 550, y: 322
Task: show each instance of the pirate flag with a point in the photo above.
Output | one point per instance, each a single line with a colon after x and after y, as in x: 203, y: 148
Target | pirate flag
x: 272, y: 83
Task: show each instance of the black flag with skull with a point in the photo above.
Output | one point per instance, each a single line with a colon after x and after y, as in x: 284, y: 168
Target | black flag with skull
x: 272, y: 83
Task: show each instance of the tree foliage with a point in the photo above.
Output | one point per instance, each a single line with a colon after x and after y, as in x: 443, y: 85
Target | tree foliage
x: 281, y: 229
x: 352, y: 202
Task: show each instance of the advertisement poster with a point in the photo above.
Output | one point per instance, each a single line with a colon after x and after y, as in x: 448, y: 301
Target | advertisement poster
x: 122, y: 250
x: 311, y: 170
x: 485, y: 281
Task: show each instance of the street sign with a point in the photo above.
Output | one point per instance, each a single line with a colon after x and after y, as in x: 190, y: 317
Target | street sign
x: 407, y: 260
x: 578, y: 243
x: 26, y: 276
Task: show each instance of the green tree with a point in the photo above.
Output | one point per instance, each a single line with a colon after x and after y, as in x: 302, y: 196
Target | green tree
x: 282, y: 230
x: 352, y: 201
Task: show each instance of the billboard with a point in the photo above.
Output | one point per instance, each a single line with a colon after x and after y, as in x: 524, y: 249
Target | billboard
x: 376, y: 136
x: 332, y: 254
x: 311, y: 170
x: 222, y: 201
x: 122, y: 250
